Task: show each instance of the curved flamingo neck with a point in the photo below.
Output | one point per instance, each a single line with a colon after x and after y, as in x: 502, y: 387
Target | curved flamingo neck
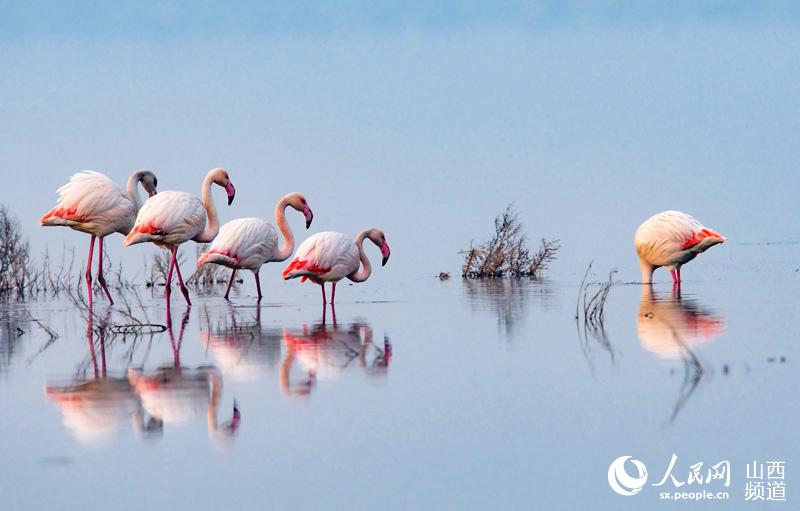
x: 212, y: 226
x: 287, y: 248
x: 366, y: 269
x: 133, y: 191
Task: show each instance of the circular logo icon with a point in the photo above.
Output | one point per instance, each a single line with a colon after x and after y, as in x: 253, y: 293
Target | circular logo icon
x: 622, y: 482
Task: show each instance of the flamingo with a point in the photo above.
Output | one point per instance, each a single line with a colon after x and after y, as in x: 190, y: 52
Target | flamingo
x: 90, y: 202
x: 172, y: 218
x: 251, y: 242
x: 332, y: 256
x: 671, y: 239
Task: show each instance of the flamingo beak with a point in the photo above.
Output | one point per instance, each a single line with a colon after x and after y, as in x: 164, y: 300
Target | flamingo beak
x: 309, y: 216
x: 231, y: 191
x: 385, y: 252
x: 153, y: 192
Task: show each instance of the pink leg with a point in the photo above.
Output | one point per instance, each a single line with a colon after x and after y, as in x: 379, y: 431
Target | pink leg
x: 180, y: 278
x: 333, y: 296
x: 230, y: 283
x: 100, y: 277
x: 258, y: 286
x: 324, y: 299
x: 167, y: 288
x: 89, y: 271
x: 674, y: 276
x: 679, y: 274
x: 333, y: 313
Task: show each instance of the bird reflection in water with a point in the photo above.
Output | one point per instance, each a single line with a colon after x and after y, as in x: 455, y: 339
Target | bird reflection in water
x: 672, y: 326
x: 94, y: 407
x: 176, y: 394
x: 244, y: 349
x: 324, y: 351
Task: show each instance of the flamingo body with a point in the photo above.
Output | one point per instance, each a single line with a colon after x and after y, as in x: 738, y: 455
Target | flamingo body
x: 671, y: 239
x: 324, y: 257
x: 172, y: 218
x: 251, y: 242
x: 332, y: 256
x: 168, y: 220
x: 90, y: 202
x: 243, y: 243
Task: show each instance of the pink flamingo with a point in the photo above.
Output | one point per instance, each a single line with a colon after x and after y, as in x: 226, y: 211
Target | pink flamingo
x: 332, y: 256
x: 671, y: 239
x: 251, y: 242
x: 172, y: 218
x: 90, y: 202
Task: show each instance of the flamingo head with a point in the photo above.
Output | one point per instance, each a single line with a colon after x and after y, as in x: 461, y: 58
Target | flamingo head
x: 377, y: 237
x: 149, y: 182
x: 298, y: 202
x: 221, y: 177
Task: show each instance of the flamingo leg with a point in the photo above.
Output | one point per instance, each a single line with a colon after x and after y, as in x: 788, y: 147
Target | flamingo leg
x: 333, y: 297
x: 258, y: 286
x: 678, y: 271
x: 180, y: 278
x: 100, y: 277
x: 230, y: 283
x: 89, y: 271
x: 674, y: 276
x: 167, y: 289
x: 333, y: 313
x: 324, y: 299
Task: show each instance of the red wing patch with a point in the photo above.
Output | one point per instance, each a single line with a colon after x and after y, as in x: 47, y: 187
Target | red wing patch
x: 698, y: 237
x: 148, y: 228
x: 297, y: 264
x: 63, y: 213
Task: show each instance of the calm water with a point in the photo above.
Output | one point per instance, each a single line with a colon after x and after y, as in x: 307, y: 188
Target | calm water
x: 424, y: 394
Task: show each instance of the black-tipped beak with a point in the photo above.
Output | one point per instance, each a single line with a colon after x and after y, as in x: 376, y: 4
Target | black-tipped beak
x: 385, y: 252
x: 152, y: 193
x: 231, y: 191
x: 309, y: 216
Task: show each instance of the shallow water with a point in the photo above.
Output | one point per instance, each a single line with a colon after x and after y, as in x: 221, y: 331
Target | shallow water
x: 424, y: 394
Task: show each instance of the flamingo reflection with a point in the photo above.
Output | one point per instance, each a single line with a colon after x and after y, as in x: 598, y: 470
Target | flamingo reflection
x: 669, y: 325
x: 176, y: 394
x: 95, y: 407
x: 244, y: 349
x: 672, y: 326
x: 324, y: 351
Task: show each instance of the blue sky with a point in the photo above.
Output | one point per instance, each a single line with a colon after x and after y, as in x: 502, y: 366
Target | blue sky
x: 163, y: 19
x: 425, y: 121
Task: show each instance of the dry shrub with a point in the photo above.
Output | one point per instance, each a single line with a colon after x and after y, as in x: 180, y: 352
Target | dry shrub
x: 506, y: 253
x: 16, y: 270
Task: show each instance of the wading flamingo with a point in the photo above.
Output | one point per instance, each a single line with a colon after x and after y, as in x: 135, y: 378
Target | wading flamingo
x: 172, y: 218
x: 671, y: 239
x: 90, y: 202
x: 250, y: 242
x: 332, y: 256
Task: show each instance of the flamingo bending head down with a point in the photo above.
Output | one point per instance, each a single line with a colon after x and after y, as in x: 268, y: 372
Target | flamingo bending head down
x: 671, y: 239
